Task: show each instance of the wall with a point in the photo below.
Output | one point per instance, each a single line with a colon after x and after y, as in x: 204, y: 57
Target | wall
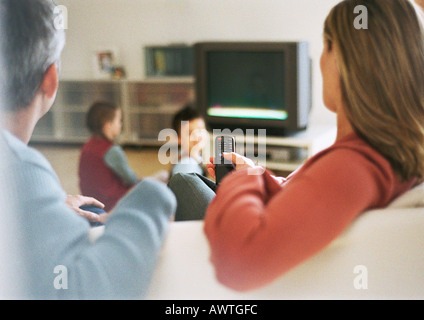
x: 131, y: 24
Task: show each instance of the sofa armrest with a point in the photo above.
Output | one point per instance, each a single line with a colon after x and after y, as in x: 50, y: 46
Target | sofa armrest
x: 382, y: 250
x: 382, y: 247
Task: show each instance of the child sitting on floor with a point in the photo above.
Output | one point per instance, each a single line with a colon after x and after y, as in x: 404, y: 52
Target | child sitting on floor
x: 104, y: 171
x: 190, y: 128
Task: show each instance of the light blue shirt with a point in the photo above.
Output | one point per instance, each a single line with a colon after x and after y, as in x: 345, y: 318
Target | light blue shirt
x: 117, y: 161
x: 54, y: 239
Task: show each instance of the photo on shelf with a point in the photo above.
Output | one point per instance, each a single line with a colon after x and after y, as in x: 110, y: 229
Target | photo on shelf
x: 104, y: 62
x: 118, y: 73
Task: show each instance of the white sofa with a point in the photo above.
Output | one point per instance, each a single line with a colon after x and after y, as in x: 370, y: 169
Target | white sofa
x: 380, y: 256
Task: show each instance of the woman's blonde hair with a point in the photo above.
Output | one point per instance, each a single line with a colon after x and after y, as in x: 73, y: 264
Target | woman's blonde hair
x: 382, y: 77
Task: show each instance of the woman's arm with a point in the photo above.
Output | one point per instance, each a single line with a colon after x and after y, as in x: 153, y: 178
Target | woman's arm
x: 257, y: 233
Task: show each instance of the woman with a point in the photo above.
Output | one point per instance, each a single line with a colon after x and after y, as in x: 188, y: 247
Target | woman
x: 258, y: 226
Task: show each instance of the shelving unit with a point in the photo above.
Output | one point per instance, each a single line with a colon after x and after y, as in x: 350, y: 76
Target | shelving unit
x: 148, y: 107
x: 151, y: 106
x: 65, y: 122
x: 305, y: 144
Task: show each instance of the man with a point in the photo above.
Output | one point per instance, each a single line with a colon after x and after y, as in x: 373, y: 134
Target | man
x: 55, y: 258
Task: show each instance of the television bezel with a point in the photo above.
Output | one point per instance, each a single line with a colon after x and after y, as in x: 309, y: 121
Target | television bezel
x: 297, y: 81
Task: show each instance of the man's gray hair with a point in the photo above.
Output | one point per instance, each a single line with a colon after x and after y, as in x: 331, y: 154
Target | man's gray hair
x: 30, y: 44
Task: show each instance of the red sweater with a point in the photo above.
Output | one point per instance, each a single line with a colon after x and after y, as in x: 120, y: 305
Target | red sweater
x: 97, y: 180
x: 259, y: 227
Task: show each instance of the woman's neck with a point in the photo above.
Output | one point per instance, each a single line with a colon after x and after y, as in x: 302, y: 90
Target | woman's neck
x: 344, y: 126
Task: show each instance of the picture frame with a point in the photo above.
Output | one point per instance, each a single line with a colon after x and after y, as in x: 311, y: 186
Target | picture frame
x: 104, y: 62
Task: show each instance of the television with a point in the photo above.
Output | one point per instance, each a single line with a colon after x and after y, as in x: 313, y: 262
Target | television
x: 254, y: 85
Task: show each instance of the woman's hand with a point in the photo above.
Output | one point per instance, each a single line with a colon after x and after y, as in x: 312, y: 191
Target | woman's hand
x: 75, y: 202
x: 240, y: 162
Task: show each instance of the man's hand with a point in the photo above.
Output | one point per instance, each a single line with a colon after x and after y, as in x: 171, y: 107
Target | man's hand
x: 75, y: 202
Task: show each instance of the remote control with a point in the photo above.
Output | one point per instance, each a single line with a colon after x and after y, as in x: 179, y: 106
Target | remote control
x: 223, y: 167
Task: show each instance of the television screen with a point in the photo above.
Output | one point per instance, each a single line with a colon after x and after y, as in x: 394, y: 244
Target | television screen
x: 246, y: 85
x: 254, y: 85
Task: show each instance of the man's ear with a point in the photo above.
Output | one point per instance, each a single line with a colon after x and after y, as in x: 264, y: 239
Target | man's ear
x: 50, y: 82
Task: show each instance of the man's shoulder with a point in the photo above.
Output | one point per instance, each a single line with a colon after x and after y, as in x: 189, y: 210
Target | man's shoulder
x: 17, y: 153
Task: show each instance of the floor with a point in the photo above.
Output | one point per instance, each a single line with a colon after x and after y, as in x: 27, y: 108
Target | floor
x: 64, y: 160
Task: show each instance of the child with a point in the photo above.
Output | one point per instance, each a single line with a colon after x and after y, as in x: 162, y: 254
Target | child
x: 190, y: 127
x: 104, y: 171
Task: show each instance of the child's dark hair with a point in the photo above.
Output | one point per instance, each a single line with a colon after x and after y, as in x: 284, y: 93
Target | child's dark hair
x: 100, y: 113
x: 187, y: 113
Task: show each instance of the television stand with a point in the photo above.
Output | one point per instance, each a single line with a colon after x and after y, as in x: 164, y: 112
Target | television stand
x: 285, y: 154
